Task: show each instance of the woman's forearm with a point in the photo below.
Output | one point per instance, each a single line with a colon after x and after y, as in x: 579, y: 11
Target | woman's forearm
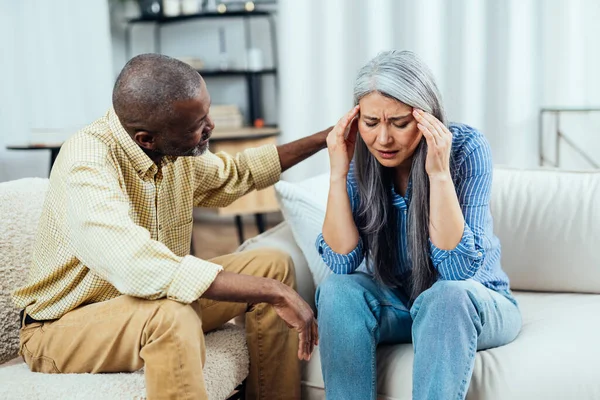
x: 339, y: 229
x: 446, y: 220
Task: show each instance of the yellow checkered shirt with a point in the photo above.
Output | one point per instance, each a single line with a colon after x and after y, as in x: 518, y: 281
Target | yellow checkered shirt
x: 114, y: 223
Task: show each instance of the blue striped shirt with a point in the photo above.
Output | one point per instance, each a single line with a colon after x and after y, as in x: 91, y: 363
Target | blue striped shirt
x: 477, y: 256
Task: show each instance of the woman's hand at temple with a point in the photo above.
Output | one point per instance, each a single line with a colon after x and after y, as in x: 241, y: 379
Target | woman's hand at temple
x: 439, y: 144
x: 340, y: 144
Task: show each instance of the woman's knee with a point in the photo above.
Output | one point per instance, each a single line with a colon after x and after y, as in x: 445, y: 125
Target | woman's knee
x: 445, y: 299
x: 342, y: 297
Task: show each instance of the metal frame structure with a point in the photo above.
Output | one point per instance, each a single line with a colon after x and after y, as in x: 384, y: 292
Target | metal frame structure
x: 560, y: 137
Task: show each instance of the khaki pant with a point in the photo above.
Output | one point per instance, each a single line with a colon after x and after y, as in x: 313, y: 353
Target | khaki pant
x: 126, y: 333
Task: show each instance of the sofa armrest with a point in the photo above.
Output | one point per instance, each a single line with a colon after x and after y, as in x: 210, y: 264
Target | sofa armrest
x: 280, y: 237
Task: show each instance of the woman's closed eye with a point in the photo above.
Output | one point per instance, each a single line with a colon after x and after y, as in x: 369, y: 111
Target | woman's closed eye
x: 371, y: 124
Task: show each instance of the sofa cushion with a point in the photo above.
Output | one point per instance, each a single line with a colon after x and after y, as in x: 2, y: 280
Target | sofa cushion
x: 548, y: 222
x: 226, y: 367
x: 20, y: 209
x: 303, y: 206
x: 555, y: 356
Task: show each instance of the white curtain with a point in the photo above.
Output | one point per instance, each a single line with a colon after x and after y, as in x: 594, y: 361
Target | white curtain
x: 496, y: 62
x: 55, y: 76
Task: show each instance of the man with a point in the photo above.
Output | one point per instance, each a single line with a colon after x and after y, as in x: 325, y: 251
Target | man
x: 112, y: 287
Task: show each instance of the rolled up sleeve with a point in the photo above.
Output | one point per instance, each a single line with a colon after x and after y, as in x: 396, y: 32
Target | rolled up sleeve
x: 460, y: 263
x: 222, y: 178
x: 340, y: 263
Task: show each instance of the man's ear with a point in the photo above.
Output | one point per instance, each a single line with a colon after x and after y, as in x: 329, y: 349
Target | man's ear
x: 145, y: 140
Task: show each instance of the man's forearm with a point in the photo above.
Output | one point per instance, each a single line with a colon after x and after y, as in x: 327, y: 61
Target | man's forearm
x: 297, y: 151
x: 229, y: 286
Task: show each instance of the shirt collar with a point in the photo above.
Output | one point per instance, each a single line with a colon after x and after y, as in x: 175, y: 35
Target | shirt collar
x: 139, y: 160
x: 399, y: 201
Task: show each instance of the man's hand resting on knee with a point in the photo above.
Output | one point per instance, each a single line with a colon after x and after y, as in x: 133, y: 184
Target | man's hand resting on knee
x: 288, y: 304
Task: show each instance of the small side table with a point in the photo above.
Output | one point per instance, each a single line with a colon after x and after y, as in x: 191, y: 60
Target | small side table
x: 54, y: 149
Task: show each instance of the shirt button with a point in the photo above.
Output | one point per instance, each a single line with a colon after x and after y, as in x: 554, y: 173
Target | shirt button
x: 479, y: 254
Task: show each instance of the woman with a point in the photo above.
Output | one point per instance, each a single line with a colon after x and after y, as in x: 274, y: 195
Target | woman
x: 415, y: 204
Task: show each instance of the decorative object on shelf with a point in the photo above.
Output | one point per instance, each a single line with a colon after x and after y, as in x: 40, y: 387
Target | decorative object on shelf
x: 223, y: 57
x: 191, y: 7
x: 239, y: 5
x: 150, y: 9
x: 171, y: 8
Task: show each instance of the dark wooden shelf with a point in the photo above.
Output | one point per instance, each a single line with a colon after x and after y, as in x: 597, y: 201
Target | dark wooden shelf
x: 207, y: 15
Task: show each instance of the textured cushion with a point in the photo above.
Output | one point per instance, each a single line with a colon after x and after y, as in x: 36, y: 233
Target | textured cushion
x: 555, y: 356
x: 303, y: 207
x: 548, y: 222
x: 20, y: 209
x: 226, y: 366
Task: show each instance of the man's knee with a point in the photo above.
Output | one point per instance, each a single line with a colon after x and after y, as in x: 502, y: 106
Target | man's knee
x: 178, y: 317
x: 277, y: 265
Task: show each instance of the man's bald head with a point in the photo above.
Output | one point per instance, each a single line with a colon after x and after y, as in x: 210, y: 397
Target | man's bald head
x: 149, y: 85
x: 163, y: 104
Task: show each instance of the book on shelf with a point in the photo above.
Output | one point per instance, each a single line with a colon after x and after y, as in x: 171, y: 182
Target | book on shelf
x: 227, y: 116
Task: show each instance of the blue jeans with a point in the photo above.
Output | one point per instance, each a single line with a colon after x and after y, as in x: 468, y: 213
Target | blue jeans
x: 449, y: 322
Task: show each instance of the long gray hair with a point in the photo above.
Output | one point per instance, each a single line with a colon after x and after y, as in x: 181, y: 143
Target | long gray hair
x: 402, y: 76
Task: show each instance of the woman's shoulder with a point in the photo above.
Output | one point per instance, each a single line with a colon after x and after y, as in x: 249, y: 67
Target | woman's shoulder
x: 465, y: 141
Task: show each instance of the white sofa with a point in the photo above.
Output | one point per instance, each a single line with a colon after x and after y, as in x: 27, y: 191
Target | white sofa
x: 227, y: 359
x: 549, y: 226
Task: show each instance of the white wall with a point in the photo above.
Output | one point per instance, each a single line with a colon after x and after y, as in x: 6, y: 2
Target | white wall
x: 496, y: 63
x: 55, y: 76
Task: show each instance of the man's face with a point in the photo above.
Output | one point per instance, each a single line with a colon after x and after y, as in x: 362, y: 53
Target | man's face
x: 189, y: 132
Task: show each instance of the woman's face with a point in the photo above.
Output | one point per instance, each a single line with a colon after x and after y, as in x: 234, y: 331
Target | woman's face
x: 389, y: 130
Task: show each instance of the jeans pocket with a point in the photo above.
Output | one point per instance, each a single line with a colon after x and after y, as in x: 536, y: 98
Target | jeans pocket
x: 42, y: 364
